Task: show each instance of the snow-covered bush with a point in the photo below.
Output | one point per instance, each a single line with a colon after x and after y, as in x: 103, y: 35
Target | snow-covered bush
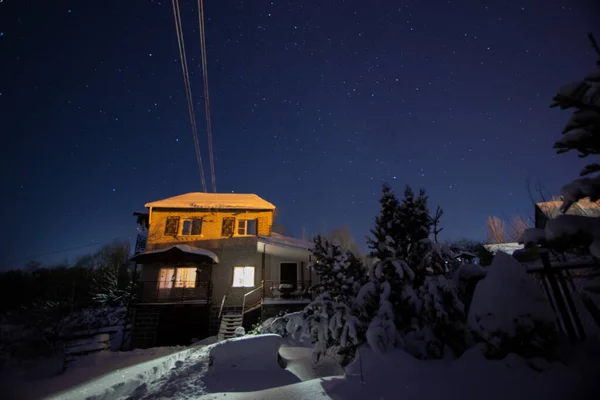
x: 381, y: 334
x: 511, y: 314
x: 327, y: 323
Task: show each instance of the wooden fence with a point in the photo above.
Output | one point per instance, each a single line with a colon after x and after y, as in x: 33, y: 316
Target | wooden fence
x: 570, y: 290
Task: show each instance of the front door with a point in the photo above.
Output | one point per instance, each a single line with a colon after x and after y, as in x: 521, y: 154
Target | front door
x: 288, y: 276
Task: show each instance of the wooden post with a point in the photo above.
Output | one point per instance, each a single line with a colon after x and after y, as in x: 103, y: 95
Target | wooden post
x: 571, y: 305
x: 558, y: 297
x: 263, y: 270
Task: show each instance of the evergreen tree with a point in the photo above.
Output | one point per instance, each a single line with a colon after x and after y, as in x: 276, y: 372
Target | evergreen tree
x: 388, y: 246
x: 582, y: 132
x: 332, y: 319
x: 577, y: 233
x: 341, y: 273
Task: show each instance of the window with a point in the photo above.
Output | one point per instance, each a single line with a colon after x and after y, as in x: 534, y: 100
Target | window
x: 228, y: 225
x: 185, y: 278
x: 191, y: 227
x: 172, y: 226
x: 246, y: 227
x: 177, y: 277
x: 243, y: 276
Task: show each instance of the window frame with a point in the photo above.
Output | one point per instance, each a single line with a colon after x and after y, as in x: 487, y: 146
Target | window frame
x: 191, y: 220
x: 244, y: 268
x: 245, y: 221
x: 174, y: 282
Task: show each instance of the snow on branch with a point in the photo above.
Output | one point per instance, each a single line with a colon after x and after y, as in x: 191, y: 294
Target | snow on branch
x: 580, y: 189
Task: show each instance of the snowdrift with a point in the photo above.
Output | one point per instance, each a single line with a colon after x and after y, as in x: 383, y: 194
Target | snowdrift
x: 510, y: 310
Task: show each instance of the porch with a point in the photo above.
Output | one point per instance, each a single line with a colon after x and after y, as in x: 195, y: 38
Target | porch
x: 173, y: 291
x: 177, y: 274
x: 276, y: 292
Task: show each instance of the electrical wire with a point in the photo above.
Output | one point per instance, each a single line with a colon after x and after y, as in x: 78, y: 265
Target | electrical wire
x: 188, y: 90
x: 206, y: 96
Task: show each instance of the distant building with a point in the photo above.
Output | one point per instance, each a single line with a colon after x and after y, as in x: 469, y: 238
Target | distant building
x: 547, y: 210
x: 508, y: 248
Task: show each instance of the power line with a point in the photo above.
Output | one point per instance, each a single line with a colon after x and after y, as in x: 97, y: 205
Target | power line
x: 206, y: 97
x: 188, y: 90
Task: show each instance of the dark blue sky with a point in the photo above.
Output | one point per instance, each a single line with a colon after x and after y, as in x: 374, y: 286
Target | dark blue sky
x: 314, y: 105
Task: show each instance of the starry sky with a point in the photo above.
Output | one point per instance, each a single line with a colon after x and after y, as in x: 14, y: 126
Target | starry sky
x: 314, y: 105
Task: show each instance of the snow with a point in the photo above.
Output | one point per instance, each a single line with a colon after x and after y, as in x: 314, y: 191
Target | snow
x: 248, y: 369
x: 281, y: 240
x: 533, y: 236
x: 214, y: 201
x: 186, y: 248
x: 580, y: 189
x: 575, y: 225
x: 507, y: 300
x: 508, y: 248
x: 95, y: 371
x: 468, y: 271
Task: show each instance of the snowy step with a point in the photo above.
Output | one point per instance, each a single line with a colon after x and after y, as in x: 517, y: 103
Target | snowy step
x: 229, y: 323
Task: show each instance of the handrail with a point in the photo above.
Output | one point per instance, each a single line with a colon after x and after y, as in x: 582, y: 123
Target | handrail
x: 247, y: 294
x: 222, y: 304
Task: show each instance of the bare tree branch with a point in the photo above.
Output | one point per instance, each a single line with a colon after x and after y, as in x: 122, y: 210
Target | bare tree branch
x: 496, y: 231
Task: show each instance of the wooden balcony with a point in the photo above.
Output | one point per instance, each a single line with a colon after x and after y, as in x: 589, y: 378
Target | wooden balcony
x: 173, y: 292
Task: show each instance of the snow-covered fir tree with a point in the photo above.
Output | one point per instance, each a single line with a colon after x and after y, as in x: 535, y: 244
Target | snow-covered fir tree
x: 332, y: 320
x: 440, y: 320
x: 388, y: 246
x: 341, y: 273
x: 416, y: 223
x: 410, y: 287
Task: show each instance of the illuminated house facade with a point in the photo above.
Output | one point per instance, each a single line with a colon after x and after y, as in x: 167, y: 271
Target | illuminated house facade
x: 209, y: 263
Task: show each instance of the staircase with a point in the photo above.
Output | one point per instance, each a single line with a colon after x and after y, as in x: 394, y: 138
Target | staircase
x: 228, y: 324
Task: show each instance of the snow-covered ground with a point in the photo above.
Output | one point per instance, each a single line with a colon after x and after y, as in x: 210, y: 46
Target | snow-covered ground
x: 249, y: 368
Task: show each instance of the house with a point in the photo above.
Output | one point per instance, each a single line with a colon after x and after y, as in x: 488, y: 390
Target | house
x: 210, y: 263
x: 547, y: 210
x: 508, y: 248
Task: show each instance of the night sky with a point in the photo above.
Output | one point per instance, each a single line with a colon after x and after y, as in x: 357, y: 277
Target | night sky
x: 314, y: 105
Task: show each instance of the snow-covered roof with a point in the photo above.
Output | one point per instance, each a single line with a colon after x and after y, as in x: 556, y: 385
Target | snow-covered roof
x: 583, y: 207
x: 215, y: 201
x: 508, y: 248
x: 286, y: 241
x: 183, y: 248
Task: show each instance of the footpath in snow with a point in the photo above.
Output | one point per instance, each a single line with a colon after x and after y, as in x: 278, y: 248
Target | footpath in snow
x: 266, y: 367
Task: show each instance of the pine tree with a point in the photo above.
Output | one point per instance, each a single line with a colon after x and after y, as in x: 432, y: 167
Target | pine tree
x: 340, y: 273
x: 332, y: 320
x: 387, y: 228
x: 388, y: 245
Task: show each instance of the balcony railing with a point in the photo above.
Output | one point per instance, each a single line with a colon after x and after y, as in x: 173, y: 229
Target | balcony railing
x: 172, y: 291
x: 287, y: 290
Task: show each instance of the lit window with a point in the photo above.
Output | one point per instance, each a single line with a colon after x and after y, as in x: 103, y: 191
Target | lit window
x: 243, y: 276
x: 177, y: 277
x: 186, y: 277
x: 246, y: 227
x: 191, y: 227
x: 166, y: 278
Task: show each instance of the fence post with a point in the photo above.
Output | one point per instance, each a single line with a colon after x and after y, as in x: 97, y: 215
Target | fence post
x: 571, y: 305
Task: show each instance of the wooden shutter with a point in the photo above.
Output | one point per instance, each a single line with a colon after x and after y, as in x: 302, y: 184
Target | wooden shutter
x: 263, y: 227
x: 172, y: 226
x: 197, y: 226
x: 228, y: 226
